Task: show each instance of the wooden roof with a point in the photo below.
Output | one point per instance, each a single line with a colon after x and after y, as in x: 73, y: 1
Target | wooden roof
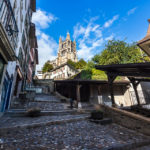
x: 80, y: 81
x: 144, y: 44
x: 130, y: 70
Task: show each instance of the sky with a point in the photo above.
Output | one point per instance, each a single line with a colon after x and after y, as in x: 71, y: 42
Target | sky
x: 91, y: 23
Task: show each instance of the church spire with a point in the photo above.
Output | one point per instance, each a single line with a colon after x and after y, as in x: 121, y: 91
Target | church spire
x: 68, y: 36
x: 60, y: 39
x: 148, y: 31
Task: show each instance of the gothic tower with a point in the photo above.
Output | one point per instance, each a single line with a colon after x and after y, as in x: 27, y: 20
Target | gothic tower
x: 67, y: 50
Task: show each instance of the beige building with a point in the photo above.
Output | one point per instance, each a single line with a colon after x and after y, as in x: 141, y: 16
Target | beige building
x: 62, y: 70
x: 67, y: 50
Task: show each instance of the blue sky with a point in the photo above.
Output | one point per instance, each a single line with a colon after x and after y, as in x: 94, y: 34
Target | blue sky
x: 90, y: 22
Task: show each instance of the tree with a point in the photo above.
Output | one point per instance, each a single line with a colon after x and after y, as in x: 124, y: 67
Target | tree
x: 96, y: 59
x: 120, y: 52
x: 47, y: 67
x: 70, y: 62
x: 81, y: 64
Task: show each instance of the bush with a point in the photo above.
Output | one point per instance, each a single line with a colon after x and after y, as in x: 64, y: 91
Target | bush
x: 34, y: 112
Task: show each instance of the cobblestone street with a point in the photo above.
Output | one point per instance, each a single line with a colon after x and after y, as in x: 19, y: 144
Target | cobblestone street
x: 76, y: 135
x: 62, y: 132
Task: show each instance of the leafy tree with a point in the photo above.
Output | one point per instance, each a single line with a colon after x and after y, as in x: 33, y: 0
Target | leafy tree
x: 78, y: 65
x: 120, y: 52
x: 70, y: 62
x: 47, y: 67
x: 96, y: 59
x: 81, y: 64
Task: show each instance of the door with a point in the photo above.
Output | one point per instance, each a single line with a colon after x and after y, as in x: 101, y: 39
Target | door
x: 4, y: 95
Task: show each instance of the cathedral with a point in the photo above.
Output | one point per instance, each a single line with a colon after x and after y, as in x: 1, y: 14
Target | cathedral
x: 67, y: 50
x: 62, y: 70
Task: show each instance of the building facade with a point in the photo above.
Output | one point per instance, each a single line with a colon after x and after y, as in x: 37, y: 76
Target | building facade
x: 33, y: 55
x: 15, y: 24
x: 63, y: 71
x: 67, y: 50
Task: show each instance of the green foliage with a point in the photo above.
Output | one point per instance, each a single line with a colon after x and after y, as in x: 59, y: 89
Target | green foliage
x: 89, y: 66
x: 120, y: 52
x: 98, y: 75
x: 80, y: 64
x: 47, y: 67
x: 89, y: 72
x: 86, y: 74
x: 70, y: 62
x: 96, y: 58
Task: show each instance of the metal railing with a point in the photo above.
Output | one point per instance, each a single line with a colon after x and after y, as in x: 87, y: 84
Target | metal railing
x: 8, y: 22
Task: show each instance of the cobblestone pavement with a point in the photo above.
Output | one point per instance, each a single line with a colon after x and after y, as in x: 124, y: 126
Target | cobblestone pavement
x: 81, y: 135
x: 48, y: 105
x: 20, y: 121
x: 144, y: 148
x: 43, y: 97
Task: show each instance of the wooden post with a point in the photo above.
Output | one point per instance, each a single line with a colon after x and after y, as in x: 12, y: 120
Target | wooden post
x: 78, y: 96
x: 55, y: 87
x: 112, y: 93
x: 135, y: 84
x: 111, y: 78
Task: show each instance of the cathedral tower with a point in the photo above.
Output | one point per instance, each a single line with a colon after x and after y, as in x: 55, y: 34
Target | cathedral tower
x: 67, y: 50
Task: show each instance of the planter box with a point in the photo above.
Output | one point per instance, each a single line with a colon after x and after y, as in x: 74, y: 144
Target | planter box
x: 97, y: 115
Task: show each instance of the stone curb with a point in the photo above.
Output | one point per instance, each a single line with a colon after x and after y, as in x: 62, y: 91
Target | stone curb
x: 43, y: 113
x: 129, y: 146
x: 50, y: 101
x: 35, y: 125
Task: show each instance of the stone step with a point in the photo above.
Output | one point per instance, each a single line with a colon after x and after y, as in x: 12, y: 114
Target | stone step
x: 22, y: 113
x: 102, y: 122
x: 14, y: 126
x: 50, y: 101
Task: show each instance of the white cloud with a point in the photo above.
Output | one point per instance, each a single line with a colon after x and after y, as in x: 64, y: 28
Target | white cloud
x: 110, y: 22
x: 131, y: 11
x: 109, y: 37
x: 43, y: 19
x: 89, y: 38
x: 47, y: 46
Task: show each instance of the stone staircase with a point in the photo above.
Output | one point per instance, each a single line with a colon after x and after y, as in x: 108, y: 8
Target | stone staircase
x: 49, y: 104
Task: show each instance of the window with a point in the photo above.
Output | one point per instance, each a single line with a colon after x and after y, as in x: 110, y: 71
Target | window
x: 20, y: 57
x: 23, y: 40
x: 63, y: 53
x: 2, y: 63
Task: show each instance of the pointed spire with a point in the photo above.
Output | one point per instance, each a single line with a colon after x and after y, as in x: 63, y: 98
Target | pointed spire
x: 60, y: 39
x: 148, y: 31
x: 68, y: 36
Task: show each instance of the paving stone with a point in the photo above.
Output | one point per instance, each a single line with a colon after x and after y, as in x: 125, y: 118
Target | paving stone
x: 67, y: 135
x: 75, y: 135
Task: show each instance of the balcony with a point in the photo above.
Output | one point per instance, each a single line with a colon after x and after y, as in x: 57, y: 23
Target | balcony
x: 8, y: 30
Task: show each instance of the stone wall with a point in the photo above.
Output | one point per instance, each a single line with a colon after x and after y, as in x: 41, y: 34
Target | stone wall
x: 128, y: 119
x: 47, y: 85
x: 100, y: 94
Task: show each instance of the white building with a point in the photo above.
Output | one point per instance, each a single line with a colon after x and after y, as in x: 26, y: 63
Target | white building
x: 39, y: 74
x: 61, y: 72
x: 15, y: 19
